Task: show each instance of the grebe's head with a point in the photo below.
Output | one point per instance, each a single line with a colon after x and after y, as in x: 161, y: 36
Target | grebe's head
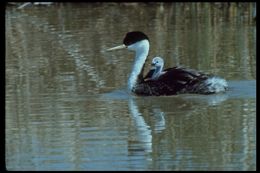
x: 134, y: 40
x: 157, y: 62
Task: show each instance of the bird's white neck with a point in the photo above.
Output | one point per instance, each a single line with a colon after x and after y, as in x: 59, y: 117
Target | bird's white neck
x: 141, y: 52
x: 157, y: 73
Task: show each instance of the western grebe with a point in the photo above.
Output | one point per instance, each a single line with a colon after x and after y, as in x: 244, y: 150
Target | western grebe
x: 171, y: 81
x: 155, y: 70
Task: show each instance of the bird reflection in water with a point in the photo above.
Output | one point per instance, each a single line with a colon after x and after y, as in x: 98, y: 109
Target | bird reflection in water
x: 142, y: 142
x: 159, y: 124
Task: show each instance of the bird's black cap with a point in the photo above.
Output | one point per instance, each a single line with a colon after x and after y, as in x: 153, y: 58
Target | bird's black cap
x: 133, y: 37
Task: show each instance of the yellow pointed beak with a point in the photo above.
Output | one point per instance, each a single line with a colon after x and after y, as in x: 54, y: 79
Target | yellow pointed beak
x: 117, y: 47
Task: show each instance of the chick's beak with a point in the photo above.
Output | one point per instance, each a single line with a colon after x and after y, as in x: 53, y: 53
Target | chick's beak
x: 152, y: 64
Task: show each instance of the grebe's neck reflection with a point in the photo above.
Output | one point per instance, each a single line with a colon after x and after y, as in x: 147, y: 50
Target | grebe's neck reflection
x: 143, y: 130
x: 144, y: 136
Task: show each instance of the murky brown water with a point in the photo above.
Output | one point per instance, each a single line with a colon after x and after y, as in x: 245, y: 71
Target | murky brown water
x: 66, y: 103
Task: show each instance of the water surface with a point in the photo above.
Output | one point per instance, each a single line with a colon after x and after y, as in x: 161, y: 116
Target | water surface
x: 67, y: 107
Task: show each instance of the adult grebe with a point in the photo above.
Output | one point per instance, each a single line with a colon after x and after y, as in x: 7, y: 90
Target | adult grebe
x: 173, y: 81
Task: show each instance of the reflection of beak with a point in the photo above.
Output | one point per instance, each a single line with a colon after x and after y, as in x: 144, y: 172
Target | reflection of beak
x: 117, y: 47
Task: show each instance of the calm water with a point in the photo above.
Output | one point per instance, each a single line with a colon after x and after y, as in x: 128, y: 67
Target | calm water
x: 66, y: 103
